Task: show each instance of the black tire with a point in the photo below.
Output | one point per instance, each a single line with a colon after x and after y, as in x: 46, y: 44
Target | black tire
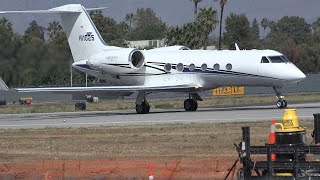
x: 190, y: 105
x: 144, y: 108
x: 139, y: 109
x: 80, y: 106
x: 147, y: 107
x: 195, y: 105
x: 280, y: 104
x: 3, y: 102
x: 187, y: 105
x: 285, y: 104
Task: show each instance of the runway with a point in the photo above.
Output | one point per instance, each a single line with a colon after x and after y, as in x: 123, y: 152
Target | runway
x: 157, y: 116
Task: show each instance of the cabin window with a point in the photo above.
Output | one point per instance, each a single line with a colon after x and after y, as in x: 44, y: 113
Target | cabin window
x: 228, y: 66
x: 192, y: 67
x: 216, y: 67
x: 167, y: 67
x: 179, y: 67
x: 204, y: 67
x: 264, y: 60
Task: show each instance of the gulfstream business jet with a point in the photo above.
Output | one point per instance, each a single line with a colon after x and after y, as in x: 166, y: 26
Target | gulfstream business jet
x: 170, y: 69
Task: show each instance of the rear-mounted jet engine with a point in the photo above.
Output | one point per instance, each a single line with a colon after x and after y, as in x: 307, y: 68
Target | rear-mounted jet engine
x: 117, y: 61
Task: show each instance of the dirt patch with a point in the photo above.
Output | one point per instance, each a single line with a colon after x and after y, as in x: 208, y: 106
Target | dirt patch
x: 176, y: 151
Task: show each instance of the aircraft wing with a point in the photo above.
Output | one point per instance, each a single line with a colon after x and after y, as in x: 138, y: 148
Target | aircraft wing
x: 174, y: 88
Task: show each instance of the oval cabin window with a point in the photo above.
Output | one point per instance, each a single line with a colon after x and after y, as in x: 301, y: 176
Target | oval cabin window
x: 167, y: 67
x: 229, y: 66
x: 216, y: 67
x: 204, y: 67
x: 180, y: 67
x: 192, y: 67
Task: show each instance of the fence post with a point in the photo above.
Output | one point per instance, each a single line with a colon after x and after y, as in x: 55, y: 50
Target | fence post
x: 246, y: 159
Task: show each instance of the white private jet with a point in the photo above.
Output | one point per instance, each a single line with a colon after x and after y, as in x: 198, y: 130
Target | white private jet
x: 170, y: 69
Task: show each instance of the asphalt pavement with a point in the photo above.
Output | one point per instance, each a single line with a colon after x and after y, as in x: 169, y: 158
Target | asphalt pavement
x: 156, y: 116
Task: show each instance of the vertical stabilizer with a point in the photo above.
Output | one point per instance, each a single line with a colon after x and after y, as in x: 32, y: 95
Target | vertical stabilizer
x: 83, y: 36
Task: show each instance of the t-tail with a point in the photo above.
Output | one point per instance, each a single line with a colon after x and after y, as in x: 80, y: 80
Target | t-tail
x: 83, y: 36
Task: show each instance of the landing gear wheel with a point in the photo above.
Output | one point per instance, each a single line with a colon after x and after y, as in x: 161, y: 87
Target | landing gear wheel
x: 144, y: 108
x: 282, y: 103
x: 285, y: 104
x: 279, y: 104
x: 147, y: 106
x: 80, y: 106
x: 190, y: 105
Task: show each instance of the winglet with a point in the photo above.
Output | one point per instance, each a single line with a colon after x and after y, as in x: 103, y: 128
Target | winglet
x: 237, y: 47
x: 3, y: 86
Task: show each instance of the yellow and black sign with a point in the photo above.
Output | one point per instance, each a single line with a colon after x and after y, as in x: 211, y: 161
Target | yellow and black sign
x: 228, y: 90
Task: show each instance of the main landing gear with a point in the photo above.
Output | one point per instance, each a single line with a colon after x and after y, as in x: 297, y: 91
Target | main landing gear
x: 142, y: 105
x: 191, y: 104
x: 281, y: 103
x: 143, y: 108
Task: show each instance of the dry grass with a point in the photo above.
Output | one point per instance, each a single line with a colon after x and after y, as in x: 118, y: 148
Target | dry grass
x: 157, y: 103
x: 174, y: 140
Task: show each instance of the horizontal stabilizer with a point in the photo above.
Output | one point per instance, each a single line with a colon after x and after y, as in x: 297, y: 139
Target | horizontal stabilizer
x: 38, y: 12
x: 96, y: 9
x: 109, y: 89
x: 71, y: 8
x: 3, y: 86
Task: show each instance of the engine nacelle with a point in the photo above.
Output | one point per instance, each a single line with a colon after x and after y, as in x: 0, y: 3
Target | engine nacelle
x: 117, y: 61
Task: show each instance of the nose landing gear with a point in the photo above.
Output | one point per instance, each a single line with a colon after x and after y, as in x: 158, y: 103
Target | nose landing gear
x: 281, y: 103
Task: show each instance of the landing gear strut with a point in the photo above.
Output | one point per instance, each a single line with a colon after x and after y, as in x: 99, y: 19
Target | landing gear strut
x: 191, y: 104
x: 142, y: 105
x: 281, y: 103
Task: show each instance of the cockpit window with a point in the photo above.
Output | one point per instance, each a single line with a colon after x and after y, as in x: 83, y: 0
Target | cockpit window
x: 278, y: 59
x: 285, y: 59
x: 264, y: 60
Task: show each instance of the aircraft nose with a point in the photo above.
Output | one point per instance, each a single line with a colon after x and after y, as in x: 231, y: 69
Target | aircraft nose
x: 298, y: 75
